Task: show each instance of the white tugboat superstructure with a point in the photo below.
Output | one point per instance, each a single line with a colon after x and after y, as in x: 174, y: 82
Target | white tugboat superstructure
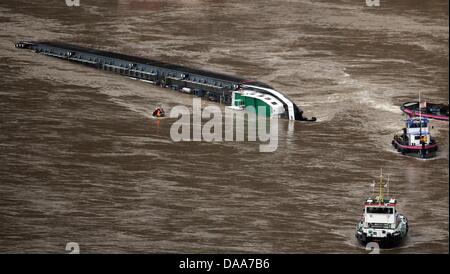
x: 415, y: 139
x: 381, y: 222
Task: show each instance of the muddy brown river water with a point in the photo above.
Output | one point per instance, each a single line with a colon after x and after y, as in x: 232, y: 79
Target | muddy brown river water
x: 82, y: 161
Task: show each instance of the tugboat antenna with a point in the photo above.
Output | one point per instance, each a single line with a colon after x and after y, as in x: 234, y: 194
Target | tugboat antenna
x: 387, y: 185
x: 373, y: 188
x: 380, y: 197
x: 420, y: 117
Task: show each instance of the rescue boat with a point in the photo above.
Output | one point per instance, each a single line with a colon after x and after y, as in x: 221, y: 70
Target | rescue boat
x: 381, y: 222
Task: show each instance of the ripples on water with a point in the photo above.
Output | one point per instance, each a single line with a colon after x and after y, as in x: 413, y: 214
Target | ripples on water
x: 81, y: 160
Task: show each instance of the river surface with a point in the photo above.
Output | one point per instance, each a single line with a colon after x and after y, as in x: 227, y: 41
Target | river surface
x: 81, y: 159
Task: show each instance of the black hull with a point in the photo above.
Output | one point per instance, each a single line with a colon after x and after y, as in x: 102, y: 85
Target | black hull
x: 418, y: 153
x: 387, y: 242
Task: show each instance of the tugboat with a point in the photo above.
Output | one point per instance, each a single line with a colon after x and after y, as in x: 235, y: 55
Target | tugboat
x: 381, y: 221
x: 427, y: 110
x: 158, y: 112
x: 415, y: 139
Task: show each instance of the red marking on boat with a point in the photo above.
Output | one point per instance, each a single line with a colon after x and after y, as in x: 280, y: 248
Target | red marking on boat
x: 416, y: 147
x: 432, y: 116
x: 369, y: 204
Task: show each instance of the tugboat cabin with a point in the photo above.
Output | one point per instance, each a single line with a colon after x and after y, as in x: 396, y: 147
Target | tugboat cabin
x: 417, y: 131
x: 380, y: 215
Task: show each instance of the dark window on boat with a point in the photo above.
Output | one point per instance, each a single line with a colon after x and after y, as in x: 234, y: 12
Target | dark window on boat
x: 417, y: 125
x: 380, y: 210
x: 274, y: 103
x: 379, y: 225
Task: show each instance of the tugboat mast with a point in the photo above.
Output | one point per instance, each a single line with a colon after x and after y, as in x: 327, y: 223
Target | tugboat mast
x: 420, y: 116
x: 381, y: 194
x: 387, y: 185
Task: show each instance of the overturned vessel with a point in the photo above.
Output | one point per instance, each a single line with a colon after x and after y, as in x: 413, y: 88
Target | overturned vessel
x: 415, y: 139
x: 230, y: 90
x: 381, y: 222
x: 427, y: 110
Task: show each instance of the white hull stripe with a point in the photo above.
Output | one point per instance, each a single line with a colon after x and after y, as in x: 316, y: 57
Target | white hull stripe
x: 281, y: 96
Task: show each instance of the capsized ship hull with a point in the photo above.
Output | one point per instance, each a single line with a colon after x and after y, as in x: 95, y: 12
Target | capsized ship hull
x: 213, y: 86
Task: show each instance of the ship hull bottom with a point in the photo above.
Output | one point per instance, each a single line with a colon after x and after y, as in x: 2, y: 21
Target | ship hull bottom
x: 213, y: 86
